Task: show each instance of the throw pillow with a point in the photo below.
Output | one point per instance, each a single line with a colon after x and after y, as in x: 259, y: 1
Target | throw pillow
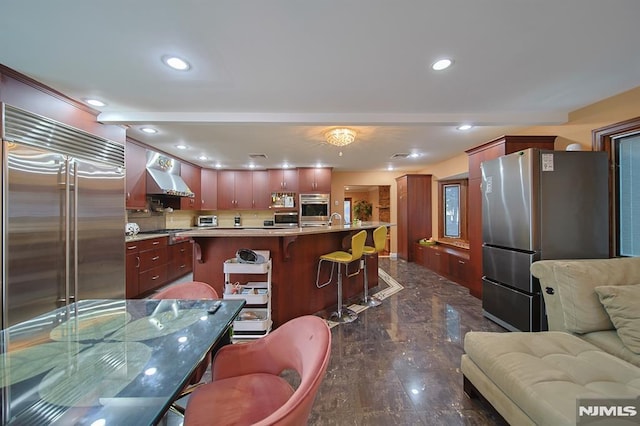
x: 622, y: 303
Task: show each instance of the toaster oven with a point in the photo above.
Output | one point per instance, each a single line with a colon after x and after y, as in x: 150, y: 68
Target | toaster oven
x: 208, y: 220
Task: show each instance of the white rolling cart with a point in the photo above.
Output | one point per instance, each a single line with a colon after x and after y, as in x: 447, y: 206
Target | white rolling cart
x: 254, y: 321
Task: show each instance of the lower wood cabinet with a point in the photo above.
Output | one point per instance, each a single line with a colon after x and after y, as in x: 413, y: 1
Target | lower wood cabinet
x: 153, y: 263
x: 452, y: 263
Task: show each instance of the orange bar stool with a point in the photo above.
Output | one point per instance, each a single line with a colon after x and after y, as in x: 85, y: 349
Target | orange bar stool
x: 343, y: 315
x: 379, y: 241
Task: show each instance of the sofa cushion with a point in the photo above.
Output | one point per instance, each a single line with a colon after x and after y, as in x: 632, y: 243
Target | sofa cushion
x: 545, y: 373
x: 575, y: 281
x: 622, y: 303
x: 609, y: 341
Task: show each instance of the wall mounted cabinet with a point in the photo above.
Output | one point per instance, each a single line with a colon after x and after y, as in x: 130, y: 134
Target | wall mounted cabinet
x: 191, y: 175
x: 283, y: 180
x: 209, y: 189
x: 136, y: 176
x: 314, y: 180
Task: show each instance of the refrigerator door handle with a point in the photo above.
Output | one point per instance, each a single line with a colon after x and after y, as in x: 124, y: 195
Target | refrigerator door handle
x: 75, y: 232
x: 67, y: 224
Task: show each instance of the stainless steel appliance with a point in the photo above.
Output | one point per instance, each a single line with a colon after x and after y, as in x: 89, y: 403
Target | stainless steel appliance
x: 207, y: 220
x: 538, y: 204
x: 62, y: 216
x: 315, y: 209
x: 163, y: 176
x: 285, y: 219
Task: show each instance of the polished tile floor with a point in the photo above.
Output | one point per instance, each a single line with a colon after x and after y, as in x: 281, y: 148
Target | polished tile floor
x: 399, y: 363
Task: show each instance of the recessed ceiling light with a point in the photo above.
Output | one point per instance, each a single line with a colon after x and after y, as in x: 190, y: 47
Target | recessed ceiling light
x: 181, y: 146
x: 95, y: 102
x: 218, y: 165
x: 465, y: 127
x: 414, y: 155
x: 319, y: 165
x: 203, y: 157
x: 252, y: 166
x: 285, y: 166
x: 149, y: 130
x: 442, y: 64
x: 390, y: 168
x: 176, y: 63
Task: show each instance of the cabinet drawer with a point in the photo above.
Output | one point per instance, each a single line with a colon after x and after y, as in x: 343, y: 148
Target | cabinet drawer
x: 152, y: 279
x: 178, y: 268
x: 153, y: 243
x: 132, y: 247
x: 153, y: 258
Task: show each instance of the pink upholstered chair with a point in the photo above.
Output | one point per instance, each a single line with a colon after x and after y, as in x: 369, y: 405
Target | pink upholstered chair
x: 192, y: 290
x: 247, y: 388
x: 189, y: 290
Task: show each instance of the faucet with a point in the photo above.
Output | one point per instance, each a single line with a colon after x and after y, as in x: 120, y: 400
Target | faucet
x: 331, y: 218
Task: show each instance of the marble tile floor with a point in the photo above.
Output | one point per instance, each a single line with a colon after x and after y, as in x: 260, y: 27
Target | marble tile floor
x: 399, y: 363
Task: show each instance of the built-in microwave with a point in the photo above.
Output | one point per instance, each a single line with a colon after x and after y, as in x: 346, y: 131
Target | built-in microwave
x: 315, y: 209
x: 285, y: 219
x: 207, y: 220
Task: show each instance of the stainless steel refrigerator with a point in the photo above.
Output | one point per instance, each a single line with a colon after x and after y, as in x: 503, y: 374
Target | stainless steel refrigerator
x: 538, y: 204
x: 63, y: 216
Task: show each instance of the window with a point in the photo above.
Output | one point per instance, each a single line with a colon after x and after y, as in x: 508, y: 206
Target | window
x: 622, y: 142
x: 452, y: 212
x: 627, y: 155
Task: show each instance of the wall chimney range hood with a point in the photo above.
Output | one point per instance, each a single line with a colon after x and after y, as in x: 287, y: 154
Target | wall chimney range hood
x: 163, y: 176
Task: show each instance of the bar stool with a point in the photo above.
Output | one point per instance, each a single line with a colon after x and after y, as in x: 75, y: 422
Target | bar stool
x: 339, y: 258
x: 379, y: 241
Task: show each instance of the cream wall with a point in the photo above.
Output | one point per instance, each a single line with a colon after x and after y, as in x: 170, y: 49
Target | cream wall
x: 578, y: 129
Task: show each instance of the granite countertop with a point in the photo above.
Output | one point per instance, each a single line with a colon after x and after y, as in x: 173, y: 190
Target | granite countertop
x: 270, y: 231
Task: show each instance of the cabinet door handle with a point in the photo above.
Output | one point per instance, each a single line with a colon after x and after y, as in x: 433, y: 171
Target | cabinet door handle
x: 461, y: 262
x: 132, y: 247
x: 155, y: 258
x: 137, y: 262
x: 155, y: 277
x: 437, y: 254
x: 155, y: 243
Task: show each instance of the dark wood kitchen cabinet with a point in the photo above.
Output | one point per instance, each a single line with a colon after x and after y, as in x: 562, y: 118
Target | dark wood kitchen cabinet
x: 191, y: 176
x: 153, y: 264
x: 209, y: 189
x: 180, y: 260
x: 135, y: 176
x: 260, y: 190
x: 234, y: 190
x: 283, y: 180
x: 414, y: 212
x: 450, y: 262
x: 132, y: 262
x: 490, y: 150
x: 314, y: 180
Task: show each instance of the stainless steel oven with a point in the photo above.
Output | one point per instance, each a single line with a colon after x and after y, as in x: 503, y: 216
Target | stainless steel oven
x: 315, y: 209
x: 285, y: 219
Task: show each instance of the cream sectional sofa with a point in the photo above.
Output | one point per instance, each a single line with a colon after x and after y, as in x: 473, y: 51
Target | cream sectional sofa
x: 536, y: 378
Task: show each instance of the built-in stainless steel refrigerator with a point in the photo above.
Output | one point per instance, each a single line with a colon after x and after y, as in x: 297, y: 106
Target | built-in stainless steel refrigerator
x: 538, y: 204
x: 63, y: 216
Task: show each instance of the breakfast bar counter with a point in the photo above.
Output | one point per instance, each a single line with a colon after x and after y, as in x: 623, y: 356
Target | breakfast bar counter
x: 295, y: 253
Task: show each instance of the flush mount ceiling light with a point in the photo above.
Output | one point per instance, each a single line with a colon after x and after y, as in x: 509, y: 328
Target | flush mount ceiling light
x: 176, y: 63
x: 181, y: 146
x: 95, y: 102
x: 340, y: 137
x: 464, y: 127
x: 442, y: 64
x: 149, y: 130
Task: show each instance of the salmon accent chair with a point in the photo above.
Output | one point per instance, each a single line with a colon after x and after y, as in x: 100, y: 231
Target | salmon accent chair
x: 192, y: 290
x: 247, y: 388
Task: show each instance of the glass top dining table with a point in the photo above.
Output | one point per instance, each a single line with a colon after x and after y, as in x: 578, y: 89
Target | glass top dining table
x: 107, y: 362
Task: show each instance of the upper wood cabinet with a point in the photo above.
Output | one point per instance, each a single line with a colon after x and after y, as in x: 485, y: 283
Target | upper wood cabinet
x: 283, y: 180
x: 136, y: 176
x: 209, y: 189
x: 314, y: 180
x: 260, y: 185
x: 191, y: 175
x: 235, y: 190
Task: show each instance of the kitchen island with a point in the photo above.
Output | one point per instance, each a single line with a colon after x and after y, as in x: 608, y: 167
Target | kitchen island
x: 295, y: 253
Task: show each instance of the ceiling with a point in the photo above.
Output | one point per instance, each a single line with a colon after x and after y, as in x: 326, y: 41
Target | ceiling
x: 271, y: 77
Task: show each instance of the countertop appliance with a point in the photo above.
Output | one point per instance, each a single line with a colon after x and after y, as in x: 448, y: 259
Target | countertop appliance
x: 538, y: 204
x: 207, y: 220
x: 315, y: 209
x: 285, y: 219
x: 63, y: 214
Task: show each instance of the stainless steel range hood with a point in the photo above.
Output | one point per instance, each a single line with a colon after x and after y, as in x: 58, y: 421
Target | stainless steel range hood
x: 163, y: 177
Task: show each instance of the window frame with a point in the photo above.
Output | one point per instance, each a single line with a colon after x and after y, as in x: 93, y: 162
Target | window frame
x: 603, y: 139
x: 464, y: 213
